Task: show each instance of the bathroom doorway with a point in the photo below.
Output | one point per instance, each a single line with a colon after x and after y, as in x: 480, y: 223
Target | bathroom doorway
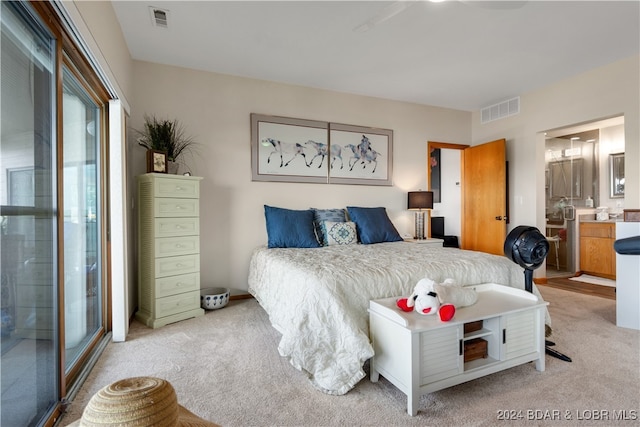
x: 576, y: 183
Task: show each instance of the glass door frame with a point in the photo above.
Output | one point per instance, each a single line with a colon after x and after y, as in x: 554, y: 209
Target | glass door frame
x: 69, y: 55
x: 70, y: 66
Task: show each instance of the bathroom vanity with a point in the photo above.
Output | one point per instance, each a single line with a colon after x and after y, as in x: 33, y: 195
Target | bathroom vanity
x: 597, y: 256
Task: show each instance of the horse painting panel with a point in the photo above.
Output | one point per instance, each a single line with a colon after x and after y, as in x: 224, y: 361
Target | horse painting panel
x: 280, y: 152
x: 367, y: 157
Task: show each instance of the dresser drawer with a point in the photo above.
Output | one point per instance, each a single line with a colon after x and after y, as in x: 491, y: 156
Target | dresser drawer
x: 177, y: 265
x: 182, y: 188
x: 176, y: 208
x: 173, y: 285
x: 170, y: 246
x: 169, y: 227
x: 175, y: 304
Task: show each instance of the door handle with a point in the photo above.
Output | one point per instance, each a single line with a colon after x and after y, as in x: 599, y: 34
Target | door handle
x: 501, y: 218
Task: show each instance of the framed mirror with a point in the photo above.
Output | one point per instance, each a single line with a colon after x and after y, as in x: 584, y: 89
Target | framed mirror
x: 616, y: 175
x: 565, y: 179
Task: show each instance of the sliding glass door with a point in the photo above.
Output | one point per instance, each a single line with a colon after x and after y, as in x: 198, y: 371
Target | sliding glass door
x: 30, y: 380
x: 52, y: 232
x: 82, y: 219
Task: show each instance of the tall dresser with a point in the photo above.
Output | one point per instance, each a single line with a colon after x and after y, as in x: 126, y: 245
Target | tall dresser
x: 168, y: 248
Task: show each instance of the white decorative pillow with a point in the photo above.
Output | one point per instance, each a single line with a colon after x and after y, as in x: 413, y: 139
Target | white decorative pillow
x: 340, y: 233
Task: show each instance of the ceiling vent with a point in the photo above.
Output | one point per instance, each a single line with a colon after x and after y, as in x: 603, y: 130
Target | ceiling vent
x: 159, y: 17
x: 500, y: 111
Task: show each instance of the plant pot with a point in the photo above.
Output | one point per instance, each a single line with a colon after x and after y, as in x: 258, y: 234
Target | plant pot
x: 172, y: 167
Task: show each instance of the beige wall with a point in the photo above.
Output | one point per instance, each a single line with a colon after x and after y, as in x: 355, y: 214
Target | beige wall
x: 97, y: 22
x: 215, y: 109
x: 605, y: 92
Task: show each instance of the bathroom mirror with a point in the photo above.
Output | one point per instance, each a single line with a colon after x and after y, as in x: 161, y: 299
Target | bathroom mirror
x: 565, y: 179
x: 616, y: 176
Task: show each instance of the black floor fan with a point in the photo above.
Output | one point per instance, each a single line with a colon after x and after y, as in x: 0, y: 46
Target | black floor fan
x: 528, y: 248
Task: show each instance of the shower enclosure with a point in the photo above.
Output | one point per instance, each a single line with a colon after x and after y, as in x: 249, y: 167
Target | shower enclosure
x: 571, y: 169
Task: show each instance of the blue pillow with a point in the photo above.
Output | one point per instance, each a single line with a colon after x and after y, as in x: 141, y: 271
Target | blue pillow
x: 320, y: 215
x: 287, y: 228
x: 373, y: 225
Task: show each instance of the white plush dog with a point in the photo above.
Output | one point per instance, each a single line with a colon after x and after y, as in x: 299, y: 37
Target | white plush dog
x: 429, y: 297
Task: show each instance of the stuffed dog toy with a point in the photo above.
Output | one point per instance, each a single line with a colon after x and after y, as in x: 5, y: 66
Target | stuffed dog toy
x: 429, y: 297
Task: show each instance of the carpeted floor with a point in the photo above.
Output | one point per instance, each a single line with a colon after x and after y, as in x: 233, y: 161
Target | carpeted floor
x: 226, y: 368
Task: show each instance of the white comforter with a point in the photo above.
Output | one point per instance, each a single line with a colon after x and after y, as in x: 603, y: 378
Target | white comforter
x: 318, y: 298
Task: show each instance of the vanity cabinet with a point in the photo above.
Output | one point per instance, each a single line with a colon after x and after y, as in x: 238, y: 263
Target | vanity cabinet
x: 168, y: 248
x: 597, y: 256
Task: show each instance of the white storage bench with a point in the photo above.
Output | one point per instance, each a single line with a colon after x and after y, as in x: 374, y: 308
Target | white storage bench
x: 421, y: 354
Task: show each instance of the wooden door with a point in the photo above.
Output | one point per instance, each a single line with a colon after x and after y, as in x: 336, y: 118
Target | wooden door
x: 484, y: 199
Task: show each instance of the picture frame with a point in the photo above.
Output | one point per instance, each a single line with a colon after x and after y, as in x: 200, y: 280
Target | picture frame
x: 287, y: 149
x: 282, y: 149
x: 157, y: 161
x: 616, y: 175
x: 435, y: 175
x: 365, y: 154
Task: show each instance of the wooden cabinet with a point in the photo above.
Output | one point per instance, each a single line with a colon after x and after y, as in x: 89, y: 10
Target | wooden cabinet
x: 168, y: 249
x: 597, y: 256
x: 420, y: 354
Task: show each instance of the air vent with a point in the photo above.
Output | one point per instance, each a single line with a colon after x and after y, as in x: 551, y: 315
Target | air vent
x: 500, y: 111
x: 159, y: 17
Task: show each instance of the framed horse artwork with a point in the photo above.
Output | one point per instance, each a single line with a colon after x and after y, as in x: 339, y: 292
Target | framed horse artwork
x: 297, y: 150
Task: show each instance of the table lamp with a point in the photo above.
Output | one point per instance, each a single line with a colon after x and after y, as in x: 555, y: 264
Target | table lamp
x: 419, y: 201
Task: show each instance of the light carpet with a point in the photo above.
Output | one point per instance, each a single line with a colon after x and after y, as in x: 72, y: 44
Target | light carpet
x: 594, y: 280
x: 225, y: 367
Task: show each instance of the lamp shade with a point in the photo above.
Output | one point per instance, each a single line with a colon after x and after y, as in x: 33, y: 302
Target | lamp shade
x: 420, y: 200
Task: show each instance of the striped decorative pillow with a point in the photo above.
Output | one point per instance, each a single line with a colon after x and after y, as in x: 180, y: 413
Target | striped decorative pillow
x: 320, y: 215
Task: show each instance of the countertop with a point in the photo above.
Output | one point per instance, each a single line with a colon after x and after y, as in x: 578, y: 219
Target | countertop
x: 611, y: 220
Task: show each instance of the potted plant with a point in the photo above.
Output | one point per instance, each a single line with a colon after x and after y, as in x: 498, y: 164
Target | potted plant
x: 166, y: 136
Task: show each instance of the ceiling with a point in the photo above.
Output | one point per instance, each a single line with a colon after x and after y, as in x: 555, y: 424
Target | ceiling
x: 456, y: 54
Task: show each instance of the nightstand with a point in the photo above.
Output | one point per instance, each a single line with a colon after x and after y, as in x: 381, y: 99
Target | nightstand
x: 430, y: 241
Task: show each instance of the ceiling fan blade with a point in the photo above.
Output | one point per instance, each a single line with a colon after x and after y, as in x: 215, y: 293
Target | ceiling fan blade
x: 399, y: 6
x: 496, y: 4
x: 388, y: 12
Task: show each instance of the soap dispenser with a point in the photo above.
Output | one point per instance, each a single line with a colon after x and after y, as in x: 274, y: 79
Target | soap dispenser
x: 589, y: 202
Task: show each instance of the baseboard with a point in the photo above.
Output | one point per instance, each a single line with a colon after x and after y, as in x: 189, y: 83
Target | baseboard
x: 540, y: 281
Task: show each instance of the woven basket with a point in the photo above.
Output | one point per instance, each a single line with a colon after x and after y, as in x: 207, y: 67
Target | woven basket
x: 138, y: 402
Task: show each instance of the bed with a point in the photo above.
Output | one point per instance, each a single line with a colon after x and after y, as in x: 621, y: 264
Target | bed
x: 317, y: 297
